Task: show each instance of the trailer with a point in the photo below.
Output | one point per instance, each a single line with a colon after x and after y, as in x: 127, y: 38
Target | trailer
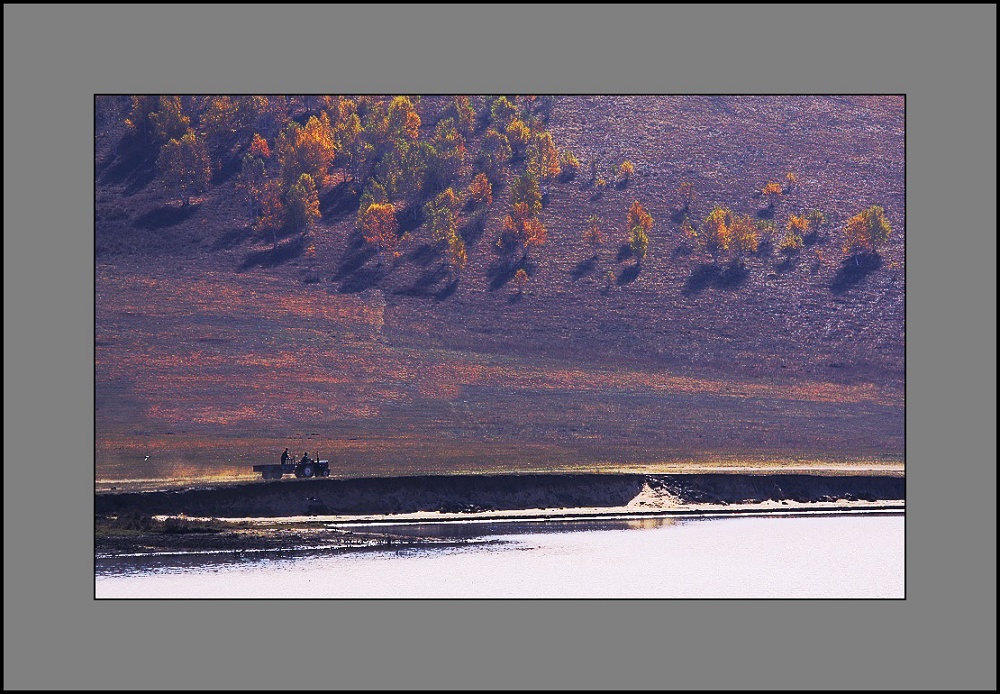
x: 306, y: 468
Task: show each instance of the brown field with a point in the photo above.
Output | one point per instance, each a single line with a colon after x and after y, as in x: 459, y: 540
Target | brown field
x: 213, y: 352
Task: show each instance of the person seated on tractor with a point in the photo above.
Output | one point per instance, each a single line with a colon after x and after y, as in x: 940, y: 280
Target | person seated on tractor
x: 305, y: 459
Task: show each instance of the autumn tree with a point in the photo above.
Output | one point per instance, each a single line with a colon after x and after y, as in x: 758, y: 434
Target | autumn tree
x: 639, y: 224
x: 817, y: 220
x: 271, y: 212
x: 374, y: 193
x: 303, y: 203
x: 455, y: 254
x: 495, y: 154
x: 138, y: 120
x: 543, y: 157
x: 460, y: 110
x: 502, y: 112
x: 306, y: 149
x: 184, y: 166
x: 798, y: 225
x: 791, y: 179
x: 446, y: 155
x: 380, y: 229
x: 525, y: 189
x: 520, y: 280
x: 519, y: 136
x: 592, y: 235
x: 716, y: 232
x: 520, y: 232
x: 625, y: 172
x: 866, y: 230
x: 771, y: 192
x: 441, y: 214
x: 480, y: 190
x: 569, y: 165
x: 744, y: 238
x: 169, y: 121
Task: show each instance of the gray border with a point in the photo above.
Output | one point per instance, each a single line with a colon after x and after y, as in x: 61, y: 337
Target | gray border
x: 943, y: 636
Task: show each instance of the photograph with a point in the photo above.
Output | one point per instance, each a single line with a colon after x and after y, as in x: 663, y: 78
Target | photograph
x: 384, y: 346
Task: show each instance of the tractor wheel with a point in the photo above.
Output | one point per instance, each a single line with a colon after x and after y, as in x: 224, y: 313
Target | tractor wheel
x: 326, y: 473
x: 307, y: 471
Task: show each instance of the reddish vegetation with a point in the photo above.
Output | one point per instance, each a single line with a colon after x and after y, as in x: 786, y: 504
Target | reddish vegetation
x: 216, y: 347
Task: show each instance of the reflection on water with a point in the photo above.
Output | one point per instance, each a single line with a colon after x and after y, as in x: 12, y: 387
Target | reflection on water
x: 758, y: 557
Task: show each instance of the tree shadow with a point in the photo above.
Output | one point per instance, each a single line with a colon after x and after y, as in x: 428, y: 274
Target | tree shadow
x: 683, y: 249
x: 766, y: 213
x: 230, y: 167
x: 165, y: 216
x: 584, y: 267
x: 447, y: 290
x: 426, y: 284
x: 786, y: 265
x: 339, y: 200
x: 473, y: 229
x: 711, y: 275
x: 624, y: 253
x: 229, y: 240
x: 353, y: 260
x: 362, y: 279
x: 276, y: 255
x: 679, y: 214
x: 515, y: 298
x: 503, y: 272
x: 135, y: 166
x: 410, y: 218
x: 629, y: 275
x: 621, y: 185
x: 853, y: 270
x: 423, y: 254
x: 732, y: 276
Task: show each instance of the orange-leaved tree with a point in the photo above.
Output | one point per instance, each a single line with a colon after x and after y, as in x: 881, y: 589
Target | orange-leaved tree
x: 592, y: 235
x: 380, y: 229
x: 744, y: 238
x: 543, y: 157
x: 716, y: 232
x: 772, y: 191
x: 520, y: 232
x: 639, y: 223
x: 865, y: 231
x: 480, y: 190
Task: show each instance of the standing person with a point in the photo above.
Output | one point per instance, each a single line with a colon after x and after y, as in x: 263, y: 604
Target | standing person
x: 285, y: 457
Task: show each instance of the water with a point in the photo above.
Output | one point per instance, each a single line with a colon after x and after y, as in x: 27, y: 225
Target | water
x: 844, y: 556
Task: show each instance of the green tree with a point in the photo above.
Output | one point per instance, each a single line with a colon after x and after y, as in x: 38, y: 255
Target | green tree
x: 303, y: 203
x: 169, y: 121
x: 184, y: 166
x: 250, y: 182
x: 525, y: 189
x: 495, y: 154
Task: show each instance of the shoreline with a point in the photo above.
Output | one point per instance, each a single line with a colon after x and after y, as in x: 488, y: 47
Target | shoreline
x: 333, y: 514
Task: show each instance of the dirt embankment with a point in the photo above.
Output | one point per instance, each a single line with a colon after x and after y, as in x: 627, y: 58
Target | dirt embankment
x: 469, y: 494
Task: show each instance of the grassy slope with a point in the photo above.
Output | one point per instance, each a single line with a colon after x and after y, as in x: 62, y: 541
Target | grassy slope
x: 212, y: 353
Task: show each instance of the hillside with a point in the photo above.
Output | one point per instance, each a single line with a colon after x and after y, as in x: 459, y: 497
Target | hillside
x: 217, y: 347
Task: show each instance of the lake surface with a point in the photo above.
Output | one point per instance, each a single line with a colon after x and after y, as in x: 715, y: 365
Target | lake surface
x: 820, y: 556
